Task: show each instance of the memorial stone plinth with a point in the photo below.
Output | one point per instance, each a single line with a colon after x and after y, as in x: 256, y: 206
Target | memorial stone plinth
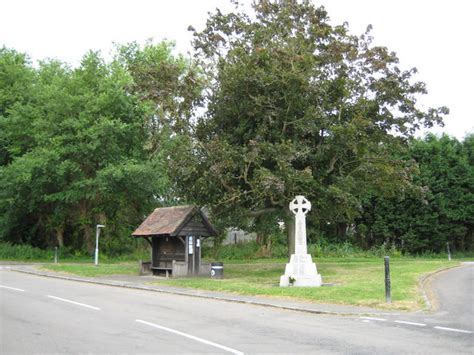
x: 300, y: 271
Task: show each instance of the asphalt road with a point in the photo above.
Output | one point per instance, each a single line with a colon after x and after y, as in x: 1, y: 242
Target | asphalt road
x: 44, y: 315
x: 455, y: 293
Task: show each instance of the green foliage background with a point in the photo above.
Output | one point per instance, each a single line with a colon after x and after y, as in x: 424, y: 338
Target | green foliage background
x: 272, y: 105
x: 83, y: 146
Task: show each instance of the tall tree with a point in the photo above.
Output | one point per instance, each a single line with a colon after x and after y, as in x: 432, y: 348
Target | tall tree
x: 442, y: 213
x: 296, y: 106
x: 85, y: 159
x: 170, y: 86
x: 16, y: 85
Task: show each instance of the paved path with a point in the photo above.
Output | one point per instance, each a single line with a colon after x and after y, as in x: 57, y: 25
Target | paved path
x: 48, y: 315
x: 452, y: 302
x: 455, y: 292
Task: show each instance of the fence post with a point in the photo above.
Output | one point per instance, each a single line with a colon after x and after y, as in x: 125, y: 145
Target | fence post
x: 55, y: 255
x: 388, y: 291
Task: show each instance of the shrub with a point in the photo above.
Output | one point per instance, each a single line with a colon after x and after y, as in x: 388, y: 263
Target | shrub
x: 9, y: 251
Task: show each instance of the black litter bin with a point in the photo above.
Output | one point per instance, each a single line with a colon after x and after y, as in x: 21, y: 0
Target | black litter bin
x: 217, y: 270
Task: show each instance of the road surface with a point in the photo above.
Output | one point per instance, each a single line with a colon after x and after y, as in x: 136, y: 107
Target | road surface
x: 44, y: 315
x: 455, y: 293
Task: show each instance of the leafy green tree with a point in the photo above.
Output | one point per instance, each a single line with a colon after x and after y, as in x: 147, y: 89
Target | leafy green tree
x: 85, y: 159
x: 168, y: 85
x: 16, y: 85
x: 296, y: 106
x: 443, y: 213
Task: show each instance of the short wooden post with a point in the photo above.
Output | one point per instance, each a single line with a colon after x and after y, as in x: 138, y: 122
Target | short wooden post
x: 388, y: 291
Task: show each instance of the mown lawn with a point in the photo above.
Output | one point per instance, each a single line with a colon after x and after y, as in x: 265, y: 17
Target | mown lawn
x: 90, y: 270
x: 354, y: 281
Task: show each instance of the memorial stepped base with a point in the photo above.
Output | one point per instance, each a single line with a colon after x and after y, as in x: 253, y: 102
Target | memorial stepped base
x: 301, y: 272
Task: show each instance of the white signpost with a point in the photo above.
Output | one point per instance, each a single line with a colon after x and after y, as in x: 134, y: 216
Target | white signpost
x: 97, y: 233
x: 300, y: 271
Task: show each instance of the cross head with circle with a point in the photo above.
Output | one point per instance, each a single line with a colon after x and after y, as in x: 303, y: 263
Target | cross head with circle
x: 300, y: 205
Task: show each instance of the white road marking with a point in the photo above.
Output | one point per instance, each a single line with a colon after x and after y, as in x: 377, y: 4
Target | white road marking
x: 204, y: 341
x: 12, y: 288
x: 410, y: 323
x: 73, y: 302
x: 367, y: 319
x: 372, y: 318
x: 454, y: 330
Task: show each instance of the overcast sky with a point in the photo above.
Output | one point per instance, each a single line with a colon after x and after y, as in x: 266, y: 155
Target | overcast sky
x: 434, y: 36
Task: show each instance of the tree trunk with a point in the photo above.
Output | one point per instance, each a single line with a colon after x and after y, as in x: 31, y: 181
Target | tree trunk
x: 266, y: 249
x: 101, y: 218
x: 60, y: 236
x: 89, y: 238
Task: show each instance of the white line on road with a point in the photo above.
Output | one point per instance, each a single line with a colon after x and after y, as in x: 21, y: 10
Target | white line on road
x: 372, y: 318
x: 366, y: 319
x: 454, y: 330
x: 73, y: 302
x: 12, y: 288
x: 410, y: 323
x: 204, y: 341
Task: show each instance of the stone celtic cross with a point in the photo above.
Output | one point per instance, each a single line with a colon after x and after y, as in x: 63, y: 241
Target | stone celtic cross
x: 300, y: 206
x: 300, y: 271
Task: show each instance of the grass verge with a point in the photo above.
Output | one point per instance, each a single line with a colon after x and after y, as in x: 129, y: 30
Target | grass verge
x: 358, y: 282
x: 90, y: 270
x: 355, y: 281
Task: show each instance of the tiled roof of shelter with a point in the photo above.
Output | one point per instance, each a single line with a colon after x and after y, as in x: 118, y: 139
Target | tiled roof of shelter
x: 169, y: 221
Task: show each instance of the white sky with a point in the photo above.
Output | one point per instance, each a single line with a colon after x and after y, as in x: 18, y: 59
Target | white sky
x: 434, y: 36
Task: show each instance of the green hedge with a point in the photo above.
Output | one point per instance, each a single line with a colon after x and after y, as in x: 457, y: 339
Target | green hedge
x: 251, y: 250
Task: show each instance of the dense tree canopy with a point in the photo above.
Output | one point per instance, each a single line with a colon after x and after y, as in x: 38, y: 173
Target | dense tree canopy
x: 76, y: 147
x: 443, y: 213
x: 297, y: 106
x: 16, y: 79
x: 169, y: 86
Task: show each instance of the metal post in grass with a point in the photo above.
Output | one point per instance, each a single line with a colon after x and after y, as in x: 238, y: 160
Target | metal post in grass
x: 97, y: 233
x: 449, y: 251
x: 388, y: 291
x: 55, y: 255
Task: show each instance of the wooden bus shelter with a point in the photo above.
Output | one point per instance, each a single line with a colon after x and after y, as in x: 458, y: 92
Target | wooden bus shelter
x: 175, y: 235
